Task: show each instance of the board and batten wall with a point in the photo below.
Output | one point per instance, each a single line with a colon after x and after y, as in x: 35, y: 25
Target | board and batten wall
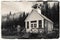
x: 48, y: 26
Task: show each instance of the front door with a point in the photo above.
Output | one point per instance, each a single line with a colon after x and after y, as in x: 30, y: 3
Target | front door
x: 34, y: 26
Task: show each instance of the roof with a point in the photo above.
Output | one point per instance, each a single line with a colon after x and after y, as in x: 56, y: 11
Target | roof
x: 44, y: 17
x: 41, y: 16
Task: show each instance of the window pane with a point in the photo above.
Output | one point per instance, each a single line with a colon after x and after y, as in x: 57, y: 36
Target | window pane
x: 27, y: 25
x: 40, y: 26
x: 35, y: 25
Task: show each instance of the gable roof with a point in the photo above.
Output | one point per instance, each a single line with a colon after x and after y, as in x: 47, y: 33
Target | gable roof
x: 46, y: 18
x: 40, y: 15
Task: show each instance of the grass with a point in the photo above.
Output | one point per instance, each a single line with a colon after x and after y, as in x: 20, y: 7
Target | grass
x: 22, y: 35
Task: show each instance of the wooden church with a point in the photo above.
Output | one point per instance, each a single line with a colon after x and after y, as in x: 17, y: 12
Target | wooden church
x: 36, y: 22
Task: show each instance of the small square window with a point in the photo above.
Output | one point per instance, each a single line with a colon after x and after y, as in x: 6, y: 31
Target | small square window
x: 35, y: 25
x: 32, y: 25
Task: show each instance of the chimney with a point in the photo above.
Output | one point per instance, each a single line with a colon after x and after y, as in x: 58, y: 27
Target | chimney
x: 39, y: 9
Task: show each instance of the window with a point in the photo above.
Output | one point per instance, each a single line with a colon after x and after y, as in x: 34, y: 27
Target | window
x: 40, y: 23
x: 27, y: 25
x: 33, y: 25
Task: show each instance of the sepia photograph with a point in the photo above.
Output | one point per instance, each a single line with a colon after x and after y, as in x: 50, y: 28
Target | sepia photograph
x: 30, y: 20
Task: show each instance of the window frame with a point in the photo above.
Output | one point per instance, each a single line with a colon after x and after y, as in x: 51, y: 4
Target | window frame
x: 40, y: 23
x: 33, y: 24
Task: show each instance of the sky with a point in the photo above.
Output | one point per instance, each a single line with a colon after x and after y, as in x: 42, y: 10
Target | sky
x: 30, y: 0
x: 19, y: 0
x: 15, y: 7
